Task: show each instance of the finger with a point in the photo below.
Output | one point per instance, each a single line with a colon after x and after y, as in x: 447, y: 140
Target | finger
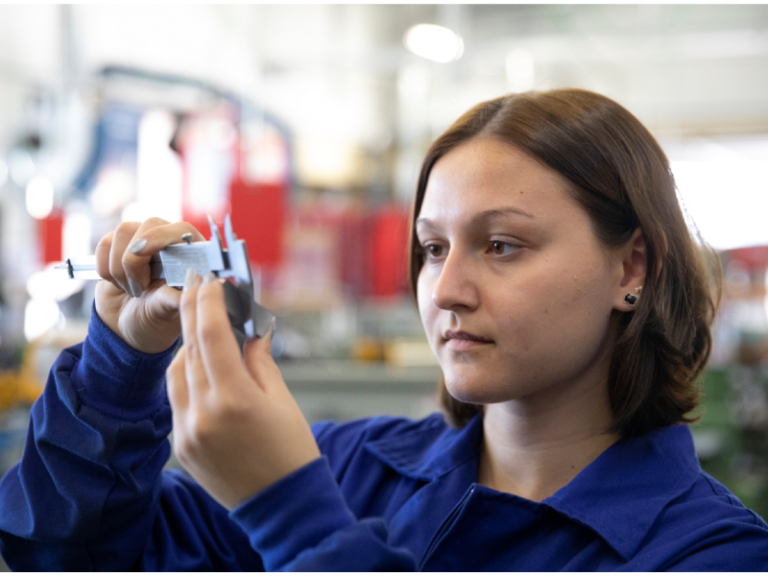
x: 148, y: 239
x: 155, y: 234
x: 218, y: 345
x: 102, y: 257
x: 197, y: 381
x: 178, y: 393
x: 166, y: 301
x: 257, y: 354
x: 120, y: 240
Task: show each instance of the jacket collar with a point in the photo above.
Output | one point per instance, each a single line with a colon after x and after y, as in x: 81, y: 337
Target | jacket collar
x: 624, y: 490
x: 619, y: 495
x: 431, y: 450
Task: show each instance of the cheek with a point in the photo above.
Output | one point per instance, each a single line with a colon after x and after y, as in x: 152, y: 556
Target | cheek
x: 556, y: 310
x: 427, y: 310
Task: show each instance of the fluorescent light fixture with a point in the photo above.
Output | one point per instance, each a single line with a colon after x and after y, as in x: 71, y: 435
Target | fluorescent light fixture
x: 434, y: 43
x: 39, y: 197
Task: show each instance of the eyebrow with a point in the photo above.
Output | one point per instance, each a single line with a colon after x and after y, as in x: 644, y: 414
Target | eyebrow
x: 484, y: 216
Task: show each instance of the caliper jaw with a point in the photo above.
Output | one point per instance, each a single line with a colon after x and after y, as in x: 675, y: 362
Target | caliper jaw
x: 247, y: 317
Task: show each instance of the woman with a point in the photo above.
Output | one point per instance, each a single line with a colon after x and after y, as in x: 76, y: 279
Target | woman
x: 569, y: 309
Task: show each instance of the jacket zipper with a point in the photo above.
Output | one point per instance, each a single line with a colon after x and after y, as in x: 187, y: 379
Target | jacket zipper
x: 444, y: 528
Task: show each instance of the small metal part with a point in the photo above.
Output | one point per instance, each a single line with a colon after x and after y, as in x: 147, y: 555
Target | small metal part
x: 216, y: 253
x: 84, y: 268
x: 247, y: 317
x: 178, y: 258
x: 242, y: 307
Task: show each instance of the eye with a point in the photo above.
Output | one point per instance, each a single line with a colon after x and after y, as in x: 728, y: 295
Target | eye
x: 500, y: 248
x: 434, y: 251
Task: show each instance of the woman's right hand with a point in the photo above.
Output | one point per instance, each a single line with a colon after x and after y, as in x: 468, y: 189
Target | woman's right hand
x: 143, y: 312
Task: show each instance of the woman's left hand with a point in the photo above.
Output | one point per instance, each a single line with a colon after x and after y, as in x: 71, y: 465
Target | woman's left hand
x: 236, y: 427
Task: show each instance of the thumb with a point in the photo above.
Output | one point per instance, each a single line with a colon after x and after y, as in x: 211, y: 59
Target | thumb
x: 257, y: 355
x: 164, y: 302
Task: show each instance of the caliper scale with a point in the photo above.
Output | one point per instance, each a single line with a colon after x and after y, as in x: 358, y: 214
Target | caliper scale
x: 248, y: 317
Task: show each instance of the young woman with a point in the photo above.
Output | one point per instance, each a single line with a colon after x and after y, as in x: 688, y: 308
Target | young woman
x: 569, y: 309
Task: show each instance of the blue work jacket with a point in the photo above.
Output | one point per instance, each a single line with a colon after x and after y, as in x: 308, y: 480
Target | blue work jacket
x: 388, y: 494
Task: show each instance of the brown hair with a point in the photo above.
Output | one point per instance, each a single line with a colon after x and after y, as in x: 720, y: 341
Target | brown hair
x: 621, y: 177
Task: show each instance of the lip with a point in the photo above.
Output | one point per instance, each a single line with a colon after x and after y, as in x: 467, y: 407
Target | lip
x: 464, y: 340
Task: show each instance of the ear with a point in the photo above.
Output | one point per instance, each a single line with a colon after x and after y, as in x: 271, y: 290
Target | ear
x: 634, y: 262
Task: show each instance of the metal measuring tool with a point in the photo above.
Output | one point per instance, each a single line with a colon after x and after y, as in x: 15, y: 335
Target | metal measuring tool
x: 248, y: 317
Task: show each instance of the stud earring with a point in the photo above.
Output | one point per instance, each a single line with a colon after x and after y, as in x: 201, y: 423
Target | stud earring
x: 630, y: 299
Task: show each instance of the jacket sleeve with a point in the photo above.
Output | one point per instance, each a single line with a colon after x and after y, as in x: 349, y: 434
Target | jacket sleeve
x: 89, y: 492
x: 302, y: 523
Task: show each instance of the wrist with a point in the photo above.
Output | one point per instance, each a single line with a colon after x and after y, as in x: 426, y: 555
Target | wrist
x: 115, y: 378
x: 294, y: 514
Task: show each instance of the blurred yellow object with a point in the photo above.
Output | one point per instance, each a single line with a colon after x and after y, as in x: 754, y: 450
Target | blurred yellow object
x: 367, y: 349
x: 21, y: 387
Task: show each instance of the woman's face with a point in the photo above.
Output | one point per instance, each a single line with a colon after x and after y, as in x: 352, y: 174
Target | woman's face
x: 516, y: 293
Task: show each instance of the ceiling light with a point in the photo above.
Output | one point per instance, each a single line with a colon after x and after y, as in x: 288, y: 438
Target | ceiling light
x: 434, y: 43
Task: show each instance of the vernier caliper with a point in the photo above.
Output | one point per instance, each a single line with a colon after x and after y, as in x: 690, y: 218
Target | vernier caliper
x: 248, y: 317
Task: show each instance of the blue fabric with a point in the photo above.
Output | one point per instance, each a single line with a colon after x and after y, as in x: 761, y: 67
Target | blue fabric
x: 388, y: 494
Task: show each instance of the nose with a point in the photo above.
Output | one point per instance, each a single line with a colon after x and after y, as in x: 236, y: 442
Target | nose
x: 456, y: 287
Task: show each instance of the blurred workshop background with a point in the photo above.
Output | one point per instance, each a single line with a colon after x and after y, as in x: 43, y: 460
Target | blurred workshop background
x: 307, y: 124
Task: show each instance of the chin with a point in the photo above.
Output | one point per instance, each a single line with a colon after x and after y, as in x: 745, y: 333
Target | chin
x: 473, y: 389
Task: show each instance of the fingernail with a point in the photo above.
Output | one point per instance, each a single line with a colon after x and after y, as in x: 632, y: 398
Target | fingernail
x: 210, y: 277
x: 135, y: 288
x: 137, y: 246
x: 190, y: 278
